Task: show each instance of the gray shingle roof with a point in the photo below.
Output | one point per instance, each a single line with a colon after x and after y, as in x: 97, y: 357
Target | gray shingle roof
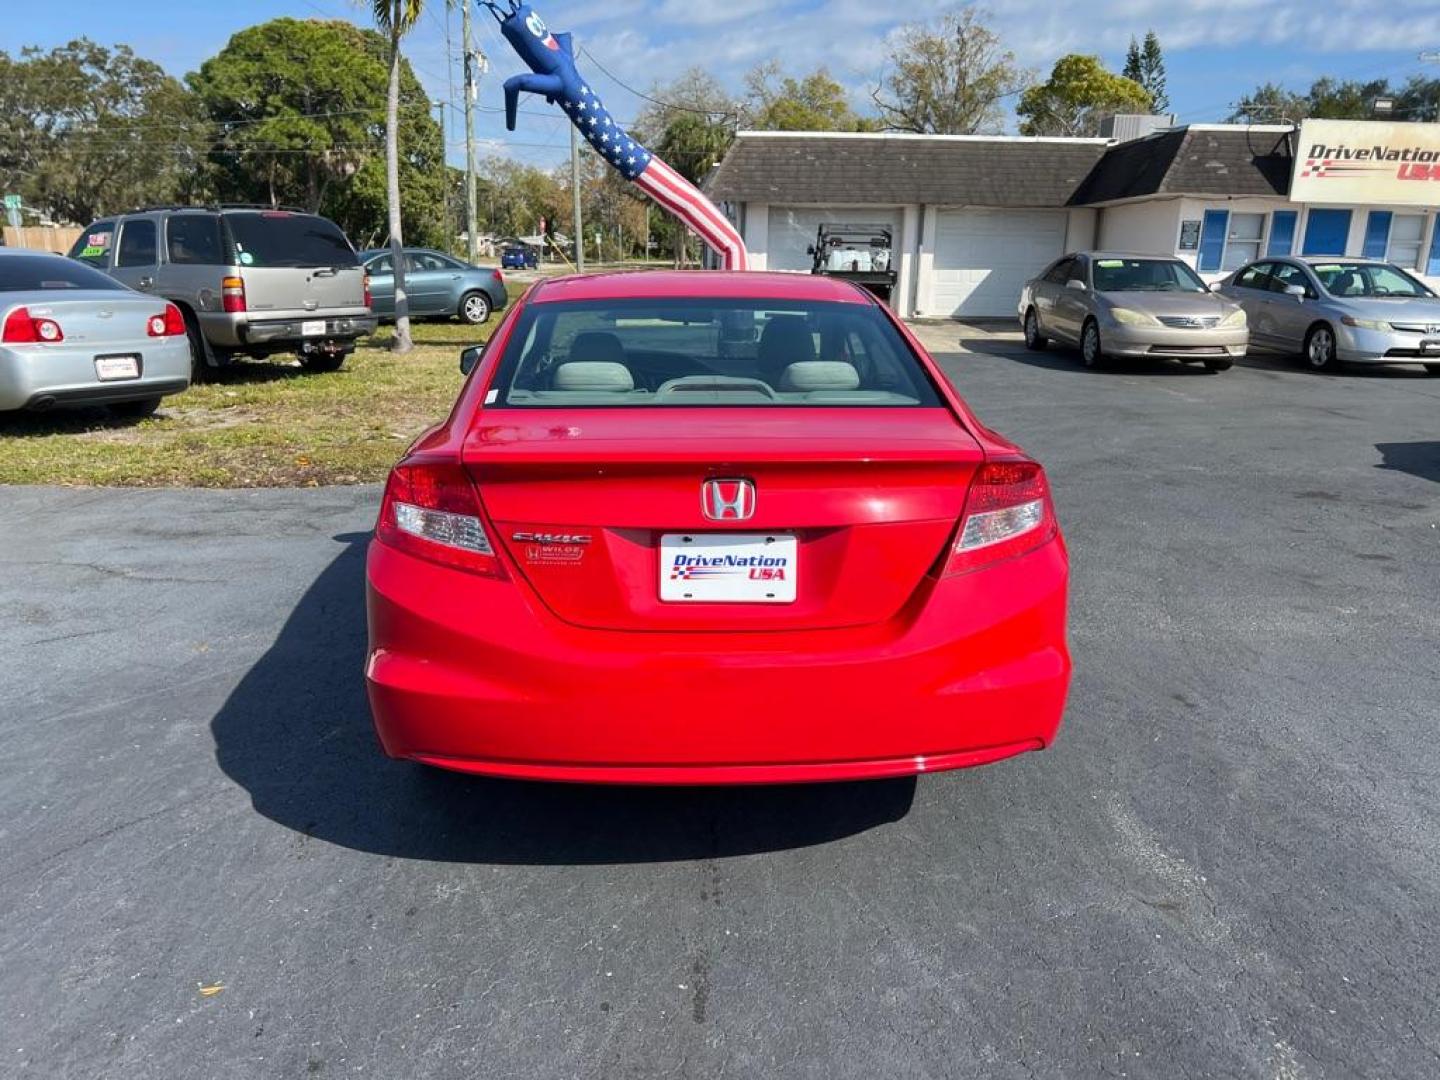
x: 891, y: 169
x: 888, y: 169
x: 1192, y: 161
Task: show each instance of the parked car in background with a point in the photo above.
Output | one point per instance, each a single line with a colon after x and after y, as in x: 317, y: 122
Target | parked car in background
x: 438, y: 286
x: 248, y: 282
x: 519, y: 257
x: 1132, y: 306
x: 789, y: 554
x: 71, y: 335
x: 1333, y: 311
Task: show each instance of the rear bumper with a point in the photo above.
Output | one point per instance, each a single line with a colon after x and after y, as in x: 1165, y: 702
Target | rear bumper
x: 40, y: 376
x: 474, y: 674
x: 237, y: 331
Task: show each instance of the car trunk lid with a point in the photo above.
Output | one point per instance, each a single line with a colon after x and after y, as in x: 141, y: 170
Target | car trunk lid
x: 581, y: 499
x: 99, y: 318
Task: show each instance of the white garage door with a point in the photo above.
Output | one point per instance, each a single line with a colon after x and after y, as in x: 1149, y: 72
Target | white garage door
x: 792, y: 230
x: 984, y: 257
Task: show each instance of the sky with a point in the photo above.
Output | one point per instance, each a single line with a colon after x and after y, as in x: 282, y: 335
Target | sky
x: 1215, y: 50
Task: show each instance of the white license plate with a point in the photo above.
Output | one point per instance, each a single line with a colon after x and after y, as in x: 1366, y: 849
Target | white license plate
x: 728, y: 568
x: 117, y: 367
x: 312, y: 328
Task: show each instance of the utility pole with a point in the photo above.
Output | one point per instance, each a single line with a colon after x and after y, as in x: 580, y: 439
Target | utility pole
x: 575, y: 196
x: 445, y: 187
x: 476, y: 64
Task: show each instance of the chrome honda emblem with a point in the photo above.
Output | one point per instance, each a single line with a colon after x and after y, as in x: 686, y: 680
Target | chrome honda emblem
x: 728, y: 500
x: 1432, y: 329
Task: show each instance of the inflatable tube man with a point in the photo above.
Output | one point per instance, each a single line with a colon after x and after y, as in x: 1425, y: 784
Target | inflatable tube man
x: 551, y: 60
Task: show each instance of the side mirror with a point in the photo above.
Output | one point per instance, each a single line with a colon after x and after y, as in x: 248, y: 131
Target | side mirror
x: 1076, y: 284
x: 470, y: 357
x: 1297, y: 292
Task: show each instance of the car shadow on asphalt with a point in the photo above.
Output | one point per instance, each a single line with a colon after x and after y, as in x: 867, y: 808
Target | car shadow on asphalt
x: 1420, y: 459
x: 1063, y: 358
x: 296, y: 734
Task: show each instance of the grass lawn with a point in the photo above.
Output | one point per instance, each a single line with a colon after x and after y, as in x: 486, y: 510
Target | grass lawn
x: 259, y: 424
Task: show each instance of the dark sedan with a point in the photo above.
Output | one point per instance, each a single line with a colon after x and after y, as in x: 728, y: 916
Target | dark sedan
x: 438, y: 286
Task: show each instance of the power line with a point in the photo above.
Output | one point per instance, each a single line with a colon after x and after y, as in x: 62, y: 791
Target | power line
x: 722, y: 113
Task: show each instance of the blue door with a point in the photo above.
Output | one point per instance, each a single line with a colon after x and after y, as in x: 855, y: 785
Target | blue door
x: 1326, y: 232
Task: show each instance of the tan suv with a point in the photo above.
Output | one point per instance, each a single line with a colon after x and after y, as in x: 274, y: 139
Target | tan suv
x: 249, y: 281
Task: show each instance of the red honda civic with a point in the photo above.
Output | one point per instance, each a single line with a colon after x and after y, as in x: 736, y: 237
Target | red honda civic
x: 713, y: 528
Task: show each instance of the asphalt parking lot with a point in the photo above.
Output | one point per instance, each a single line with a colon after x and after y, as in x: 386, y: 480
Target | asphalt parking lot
x: 1229, y: 865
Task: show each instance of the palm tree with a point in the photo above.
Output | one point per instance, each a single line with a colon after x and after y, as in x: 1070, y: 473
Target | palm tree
x: 395, y: 18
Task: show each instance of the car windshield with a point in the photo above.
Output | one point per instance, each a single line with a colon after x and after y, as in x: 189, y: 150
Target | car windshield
x: 42, y: 273
x: 708, y: 352
x: 280, y: 238
x: 1368, y: 279
x: 1145, y: 275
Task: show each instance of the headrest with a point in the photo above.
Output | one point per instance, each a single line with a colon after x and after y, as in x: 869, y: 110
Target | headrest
x: 593, y: 375
x: 786, y: 340
x: 820, y: 375
x: 597, y: 345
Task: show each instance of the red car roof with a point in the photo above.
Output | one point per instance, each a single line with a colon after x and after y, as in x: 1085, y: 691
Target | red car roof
x: 696, y: 284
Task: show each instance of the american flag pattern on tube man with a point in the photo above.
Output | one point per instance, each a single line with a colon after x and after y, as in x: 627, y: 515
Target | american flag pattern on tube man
x: 551, y: 60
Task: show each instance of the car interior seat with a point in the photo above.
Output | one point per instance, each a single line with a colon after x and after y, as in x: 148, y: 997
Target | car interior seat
x: 807, y: 375
x: 595, y: 361
x: 785, y: 341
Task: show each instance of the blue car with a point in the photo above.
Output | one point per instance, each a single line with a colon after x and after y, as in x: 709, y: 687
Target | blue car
x: 438, y: 286
x: 519, y: 257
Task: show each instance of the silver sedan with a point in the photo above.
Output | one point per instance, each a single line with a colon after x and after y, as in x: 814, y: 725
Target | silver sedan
x: 1119, y: 305
x: 1334, y: 311
x: 71, y: 335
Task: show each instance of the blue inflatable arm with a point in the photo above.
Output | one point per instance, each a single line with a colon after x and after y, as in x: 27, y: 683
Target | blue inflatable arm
x: 553, y: 75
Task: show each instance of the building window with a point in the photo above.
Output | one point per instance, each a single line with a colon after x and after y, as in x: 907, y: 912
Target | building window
x: 1407, y: 237
x: 1282, y: 232
x: 1377, y: 234
x: 1242, y: 242
x: 1326, y: 232
x: 1212, y: 240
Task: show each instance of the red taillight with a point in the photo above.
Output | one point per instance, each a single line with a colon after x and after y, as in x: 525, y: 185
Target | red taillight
x: 21, y: 328
x: 1007, y: 513
x: 367, y: 289
x: 433, y: 511
x: 171, y: 324
x: 498, y: 276
x: 232, y: 294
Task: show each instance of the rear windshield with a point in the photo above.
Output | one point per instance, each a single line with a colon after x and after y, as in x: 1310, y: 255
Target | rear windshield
x: 42, y: 273
x: 1145, y: 275
x: 1367, y: 279
x: 711, y: 352
x: 283, y: 239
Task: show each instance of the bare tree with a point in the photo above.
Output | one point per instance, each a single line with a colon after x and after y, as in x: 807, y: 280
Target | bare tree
x: 949, y: 77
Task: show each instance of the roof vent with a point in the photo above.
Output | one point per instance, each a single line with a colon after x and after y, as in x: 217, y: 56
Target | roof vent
x: 1125, y: 127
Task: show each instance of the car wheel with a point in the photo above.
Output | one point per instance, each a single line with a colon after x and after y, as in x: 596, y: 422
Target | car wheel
x: 1092, y: 353
x: 322, y: 361
x: 136, y: 410
x: 1218, y: 365
x: 1320, y: 349
x: 1033, y: 338
x: 200, y: 369
x: 474, y: 308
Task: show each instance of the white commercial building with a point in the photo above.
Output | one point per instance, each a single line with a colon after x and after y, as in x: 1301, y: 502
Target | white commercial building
x: 973, y: 217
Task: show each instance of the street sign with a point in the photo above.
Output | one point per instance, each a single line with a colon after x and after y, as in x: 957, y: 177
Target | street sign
x: 12, y: 202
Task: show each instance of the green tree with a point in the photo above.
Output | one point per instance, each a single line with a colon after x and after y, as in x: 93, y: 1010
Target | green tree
x: 1145, y: 64
x: 1339, y: 99
x: 1270, y: 103
x: 778, y: 102
x: 692, y: 144
x: 86, y: 131
x: 1079, y: 93
x: 395, y: 19
x: 950, y: 77
x: 298, y: 108
x: 1152, y: 73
